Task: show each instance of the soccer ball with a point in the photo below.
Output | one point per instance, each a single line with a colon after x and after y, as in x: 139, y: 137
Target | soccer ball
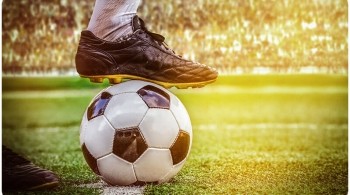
x: 134, y: 133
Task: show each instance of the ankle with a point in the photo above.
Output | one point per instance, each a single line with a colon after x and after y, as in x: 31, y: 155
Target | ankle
x: 113, y: 19
x: 119, y: 27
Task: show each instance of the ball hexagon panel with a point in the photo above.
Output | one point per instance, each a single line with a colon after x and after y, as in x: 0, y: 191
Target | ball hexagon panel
x: 159, y: 128
x: 129, y: 144
x: 125, y: 110
x: 91, y: 161
x: 181, y: 115
x: 123, y: 174
x: 99, y: 135
x: 154, y: 97
x: 181, y: 147
x: 84, y: 123
x: 172, y: 172
x: 153, y: 165
x: 98, y: 106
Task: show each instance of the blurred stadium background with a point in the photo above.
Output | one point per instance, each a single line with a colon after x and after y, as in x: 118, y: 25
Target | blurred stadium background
x: 279, y: 133
x: 40, y: 37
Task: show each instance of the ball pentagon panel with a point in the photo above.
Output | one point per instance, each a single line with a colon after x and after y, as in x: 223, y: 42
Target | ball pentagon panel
x: 129, y: 144
x: 181, y: 147
x: 90, y: 160
x: 98, y: 105
x: 154, y: 97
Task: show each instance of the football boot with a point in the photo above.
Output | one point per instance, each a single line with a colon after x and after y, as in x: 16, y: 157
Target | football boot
x: 20, y: 174
x: 142, y: 55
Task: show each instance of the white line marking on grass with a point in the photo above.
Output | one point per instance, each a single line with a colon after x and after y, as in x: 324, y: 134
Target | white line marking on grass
x: 112, y: 190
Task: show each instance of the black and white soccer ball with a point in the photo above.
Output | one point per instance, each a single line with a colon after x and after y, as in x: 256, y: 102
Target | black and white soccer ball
x: 135, y: 132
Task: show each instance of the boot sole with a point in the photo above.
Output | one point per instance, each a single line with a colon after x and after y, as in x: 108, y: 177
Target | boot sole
x: 115, y: 79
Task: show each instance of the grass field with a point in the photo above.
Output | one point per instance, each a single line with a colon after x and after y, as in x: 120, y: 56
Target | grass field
x: 271, y: 134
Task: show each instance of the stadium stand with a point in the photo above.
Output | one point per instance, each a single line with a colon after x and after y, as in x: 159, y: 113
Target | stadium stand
x: 241, y: 36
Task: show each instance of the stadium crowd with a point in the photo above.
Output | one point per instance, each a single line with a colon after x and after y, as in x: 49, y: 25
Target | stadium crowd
x: 41, y: 36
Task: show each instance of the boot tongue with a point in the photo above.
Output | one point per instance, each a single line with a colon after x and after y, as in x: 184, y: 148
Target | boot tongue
x: 136, y: 24
x: 139, y: 24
